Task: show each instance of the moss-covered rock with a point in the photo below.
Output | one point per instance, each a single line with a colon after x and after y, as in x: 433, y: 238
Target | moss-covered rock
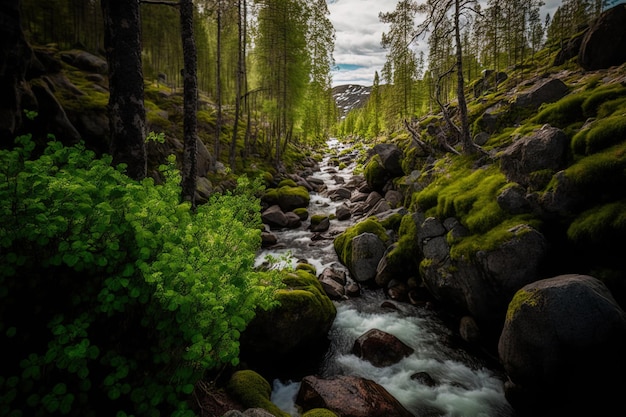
x: 287, y: 183
x: 253, y: 391
x: 343, y: 242
x: 375, y: 174
x: 302, y: 213
x: 299, y: 324
x: 291, y: 198
x: 319, y: 412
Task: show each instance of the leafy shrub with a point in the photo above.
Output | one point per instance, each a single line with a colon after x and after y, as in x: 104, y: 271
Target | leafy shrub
x: 114, y: 297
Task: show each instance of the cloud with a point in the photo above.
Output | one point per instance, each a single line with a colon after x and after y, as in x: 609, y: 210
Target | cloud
x: 358, y: 53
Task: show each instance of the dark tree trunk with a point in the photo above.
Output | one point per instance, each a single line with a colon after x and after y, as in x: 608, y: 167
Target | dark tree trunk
x: 190, y: 121
x: 466, y: 139
x: 15, y: 56
x: 127, y: 114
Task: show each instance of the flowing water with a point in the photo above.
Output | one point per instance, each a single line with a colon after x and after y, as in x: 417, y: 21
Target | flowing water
x: 461, y: 384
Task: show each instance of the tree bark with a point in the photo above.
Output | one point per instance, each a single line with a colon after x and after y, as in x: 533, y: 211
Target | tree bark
x: 127, y: 114
x: 190, y: 103
x: 15, y: 56
x: 466, y: 139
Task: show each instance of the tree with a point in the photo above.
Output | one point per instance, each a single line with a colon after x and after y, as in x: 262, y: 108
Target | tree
x: 401, y: 65
x: 242, y: 19
x: 436, y: 15
x: 127, y: 114
x: 190, y: 103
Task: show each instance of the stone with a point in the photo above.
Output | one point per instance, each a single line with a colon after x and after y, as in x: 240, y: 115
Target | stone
x: 367, y: 251
x: 391, y: 158
x: 604, y: 44
x: 343, y: 212
x: 544, y: 150
x: 547, y: 91
x: 349, y: 396
x: 274, y: 216
x: 380, y: 348
x: 563, y: 345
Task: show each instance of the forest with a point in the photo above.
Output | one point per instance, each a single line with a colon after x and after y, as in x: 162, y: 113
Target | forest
x: 131, y: 193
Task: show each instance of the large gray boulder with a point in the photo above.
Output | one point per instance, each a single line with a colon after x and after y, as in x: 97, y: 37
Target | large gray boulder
x: 547, y: 91
x: 482, y: 285
x: 391, y: 158
x: 604, y: 44
x: 543, y: 151
x: 349, y: 396
x: 367, y: 251
x: 563, y: 346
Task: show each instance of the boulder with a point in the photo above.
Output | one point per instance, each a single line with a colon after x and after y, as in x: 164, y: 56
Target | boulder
x: 380, y: 348
x: 563, y: 345
x: 299, y: 324
x: 290, y: 198
x: 274, y: 216
x: 85, y: 61
x: 547, y: 91
x: 253, y: 391
x: 390, y: 157
x: 375, y: 174
x: 349, y: 396
x: 604, y: 44
x: 343, y: 212
x: 367, y: 251
x: 544, y: 150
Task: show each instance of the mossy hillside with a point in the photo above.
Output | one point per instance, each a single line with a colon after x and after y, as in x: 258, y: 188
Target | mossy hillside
x: 343, y: 242
x: 600, y: 135
x: 467, y: 193
x: 253, y: 391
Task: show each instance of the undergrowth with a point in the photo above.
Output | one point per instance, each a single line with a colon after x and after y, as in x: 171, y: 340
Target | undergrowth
x: 115, y: 298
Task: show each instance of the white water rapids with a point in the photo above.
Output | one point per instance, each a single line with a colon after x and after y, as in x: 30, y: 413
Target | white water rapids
x: 463, y: 385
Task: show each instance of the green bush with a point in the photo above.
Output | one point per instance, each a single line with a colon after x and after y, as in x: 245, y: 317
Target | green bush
x: 114, y: 296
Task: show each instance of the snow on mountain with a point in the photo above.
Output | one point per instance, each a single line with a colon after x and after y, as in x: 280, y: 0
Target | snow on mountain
x: 350, y: 96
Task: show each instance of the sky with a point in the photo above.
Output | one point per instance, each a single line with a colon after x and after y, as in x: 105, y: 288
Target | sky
x: 358, y: 54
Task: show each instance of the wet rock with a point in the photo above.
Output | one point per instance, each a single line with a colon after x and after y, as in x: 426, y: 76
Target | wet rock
x: 349, y: 396
x: 469, y: 330
x: 391, y: 158
x: 343, y: 212
x: 268, y: 239
x: 353, y: 289
x: 340, y: 194
x: 293, y: 220
x: 358, y: 197
x: 319, y: 225
x: 562, y: 346
x: 424, y: 378
x: 367, y: 251
x: 380, y: 348
x: 274, y: 216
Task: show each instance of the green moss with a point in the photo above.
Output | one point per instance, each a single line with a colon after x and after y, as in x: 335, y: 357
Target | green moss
x: 343, y: 242
x: 319, y: 412
x: 612, y: 108
x: 287, y: 183
x: 306, y: 267
x: 599, y: 224
x: 302, y: 213
x: 392, y: 222
x: 304, y: 289
x: 563, y: 112
x: 599, y: 173
x: 270, y: 196
x: 253, y: 391
x: 602, y: 95
x: 299, y: 191
x: 521, y: 298
x: 317, y: 219
x: 375, y: 173
x: 468, y: 246
x: 601, y: 135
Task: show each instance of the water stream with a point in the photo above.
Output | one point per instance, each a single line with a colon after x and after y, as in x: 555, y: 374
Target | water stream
x: 460, y: 384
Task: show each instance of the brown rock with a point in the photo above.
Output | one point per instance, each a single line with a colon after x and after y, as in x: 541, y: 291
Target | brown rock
x: 349, y: 396
x: 380, y: 348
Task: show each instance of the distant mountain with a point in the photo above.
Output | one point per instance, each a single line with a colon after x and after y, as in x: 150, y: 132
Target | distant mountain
x: 350, y: 96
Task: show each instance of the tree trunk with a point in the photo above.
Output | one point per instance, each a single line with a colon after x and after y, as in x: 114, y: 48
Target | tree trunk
x: 190, y: 98
x: 127, y: 114
x: 466, y: 139
x: 15, y: 56
x: 240, y: 76
x: 218, y: 85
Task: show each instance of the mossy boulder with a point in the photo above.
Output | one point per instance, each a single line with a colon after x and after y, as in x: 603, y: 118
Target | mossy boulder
x: 375, y: 174
x: 319, y: 412
x: 302, y: 213
x: 291, y: 198
x: 299, y: 324
x: 343, y: 242
x: 253, y: 391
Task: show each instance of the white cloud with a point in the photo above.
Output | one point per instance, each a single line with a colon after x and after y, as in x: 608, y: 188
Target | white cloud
x: 358, y: 35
